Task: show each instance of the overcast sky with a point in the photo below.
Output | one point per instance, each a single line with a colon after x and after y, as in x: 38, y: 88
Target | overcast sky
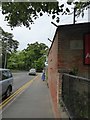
x: 40, y: 31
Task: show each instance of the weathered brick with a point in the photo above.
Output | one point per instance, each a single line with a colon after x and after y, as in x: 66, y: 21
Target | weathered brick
x: 62, y: 56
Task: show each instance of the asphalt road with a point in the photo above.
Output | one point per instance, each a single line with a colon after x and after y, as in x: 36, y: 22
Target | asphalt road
x: 20, y: 79
x: 33, y: 100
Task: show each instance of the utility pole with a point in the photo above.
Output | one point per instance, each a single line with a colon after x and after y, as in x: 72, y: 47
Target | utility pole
x: 74, y: 15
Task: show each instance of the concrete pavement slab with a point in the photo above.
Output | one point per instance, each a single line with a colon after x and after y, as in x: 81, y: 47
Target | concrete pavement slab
x: 34, y: 102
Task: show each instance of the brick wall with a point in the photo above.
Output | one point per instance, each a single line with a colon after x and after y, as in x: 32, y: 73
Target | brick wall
x: 53, y: 71
x: 71, y: 56
x: 66, y: 53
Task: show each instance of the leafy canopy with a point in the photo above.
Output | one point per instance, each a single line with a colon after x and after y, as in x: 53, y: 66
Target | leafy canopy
x: 24, y: 13
x: 33, y: 56
x: 8, y: 45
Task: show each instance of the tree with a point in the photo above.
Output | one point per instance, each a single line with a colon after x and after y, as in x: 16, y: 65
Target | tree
x: 16, y: 60
x: 80, y: 7
x: 8, y: 46
x: 17, y: 13
x: 33, y: 53
x: 40, y: 63
x: 31, y: 57
x: 13, y: 61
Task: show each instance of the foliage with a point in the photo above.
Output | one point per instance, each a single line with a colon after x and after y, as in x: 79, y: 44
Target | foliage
x: 31, y: 57
x: 17, y: 13
x: 22, y: 13
x: 81, y: 6
x: 8, y: 45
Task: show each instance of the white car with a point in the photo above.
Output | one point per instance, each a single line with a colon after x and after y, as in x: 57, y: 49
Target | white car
x: 32, y: 71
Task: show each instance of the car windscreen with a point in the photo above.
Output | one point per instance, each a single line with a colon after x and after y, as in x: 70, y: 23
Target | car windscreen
x: 6, y: 74
x: 33, y: 70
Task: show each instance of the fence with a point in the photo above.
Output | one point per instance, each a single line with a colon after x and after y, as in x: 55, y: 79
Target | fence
x: 76, y: 95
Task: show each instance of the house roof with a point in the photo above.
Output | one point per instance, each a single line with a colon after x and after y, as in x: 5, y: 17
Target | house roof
x: 69, y: 26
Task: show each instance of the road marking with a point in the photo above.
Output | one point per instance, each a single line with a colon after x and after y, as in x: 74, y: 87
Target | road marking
x: 21, y: 89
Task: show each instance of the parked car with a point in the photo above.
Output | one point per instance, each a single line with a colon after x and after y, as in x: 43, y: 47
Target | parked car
x: 6, y: 82
x: 32, y: 71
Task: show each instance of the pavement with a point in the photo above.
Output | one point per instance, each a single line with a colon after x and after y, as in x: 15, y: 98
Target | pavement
x: 34, y: 102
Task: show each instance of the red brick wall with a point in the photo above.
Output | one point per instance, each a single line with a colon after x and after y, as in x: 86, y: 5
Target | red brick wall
x: 64, y: 57
x: 70, y: 58
x: 53, y: 71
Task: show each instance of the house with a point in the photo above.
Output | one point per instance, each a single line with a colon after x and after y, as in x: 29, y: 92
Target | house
x: 69, y: 53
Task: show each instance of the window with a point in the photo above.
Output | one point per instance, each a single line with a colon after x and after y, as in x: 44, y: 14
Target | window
x: 6, y: 75
x: 9, y: 74
x: 76, y: 44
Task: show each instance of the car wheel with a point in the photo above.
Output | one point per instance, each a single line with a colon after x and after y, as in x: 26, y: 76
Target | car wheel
x: 8, y: 92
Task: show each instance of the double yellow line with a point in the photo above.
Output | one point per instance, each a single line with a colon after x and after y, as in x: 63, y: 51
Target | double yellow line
x: 6, y: 101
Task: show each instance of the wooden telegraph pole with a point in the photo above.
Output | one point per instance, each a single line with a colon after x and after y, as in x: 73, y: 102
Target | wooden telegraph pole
x: 74, y: 15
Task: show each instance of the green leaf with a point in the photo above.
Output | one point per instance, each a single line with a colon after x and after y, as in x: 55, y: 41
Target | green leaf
x: 67, y: 10
x: 69, y: 3
x: 41, y: 14
x: 53, y: 16
x: 57, y: 20
x: 62, y: 5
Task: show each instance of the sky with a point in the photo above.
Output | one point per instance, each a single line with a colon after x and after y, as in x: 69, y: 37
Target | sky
x: 41, y: 30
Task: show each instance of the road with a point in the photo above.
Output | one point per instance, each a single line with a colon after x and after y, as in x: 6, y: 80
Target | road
x: 30, y: 98
x: 20, y: 79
